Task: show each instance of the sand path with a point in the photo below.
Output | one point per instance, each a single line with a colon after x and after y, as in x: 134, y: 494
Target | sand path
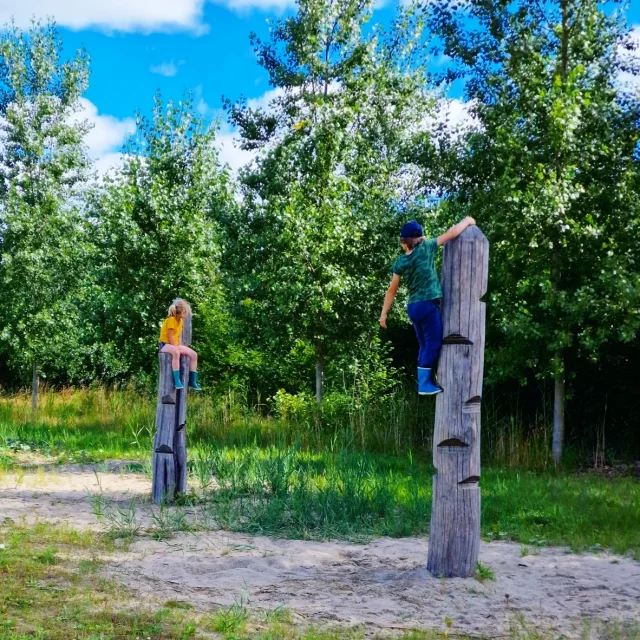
x: 383, y: 585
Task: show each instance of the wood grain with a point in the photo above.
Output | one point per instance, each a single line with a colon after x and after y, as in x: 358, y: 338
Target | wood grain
x: 455, y: 515
x: 170, y: 440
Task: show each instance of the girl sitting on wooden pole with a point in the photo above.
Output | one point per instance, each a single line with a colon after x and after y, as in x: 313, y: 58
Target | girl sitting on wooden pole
x: 169, y: 342
x: 417, y: 267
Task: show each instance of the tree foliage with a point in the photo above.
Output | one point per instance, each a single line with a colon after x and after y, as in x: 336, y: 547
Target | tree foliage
x: 286, y: 262
x: 323, y: 202
x: 551, y: 174
x: 157, y: 235
x: 43, y: 169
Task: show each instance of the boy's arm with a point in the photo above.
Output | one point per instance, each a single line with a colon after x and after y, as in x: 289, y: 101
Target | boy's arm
x: 455, y: 231
x: 389, y: 298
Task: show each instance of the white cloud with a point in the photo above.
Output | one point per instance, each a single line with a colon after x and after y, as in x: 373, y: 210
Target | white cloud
x: 111, y: 15
x: 202, y: 107
x: 167, y: 69
x: 108, y: 162
x: 241, y: 6
x: 108, y: 132
x: 229, y: 151
x: 264, y: 101
x: 452, y: 114
x: 106, y: 136
x: 144, y: 16
x: 459, y: 114
x: 227, y: 139
x: 629, y: 81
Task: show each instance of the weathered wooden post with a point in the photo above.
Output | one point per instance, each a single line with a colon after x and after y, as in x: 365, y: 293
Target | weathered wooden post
x: 170, y: 441
x: 454, y: 539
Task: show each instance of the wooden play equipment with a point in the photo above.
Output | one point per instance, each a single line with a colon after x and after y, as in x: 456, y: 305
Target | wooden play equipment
x: 170, y: 441
x: 455, y: 515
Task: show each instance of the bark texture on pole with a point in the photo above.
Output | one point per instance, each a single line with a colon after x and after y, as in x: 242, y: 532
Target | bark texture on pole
x: 170, y: 441
x: 454, y: 539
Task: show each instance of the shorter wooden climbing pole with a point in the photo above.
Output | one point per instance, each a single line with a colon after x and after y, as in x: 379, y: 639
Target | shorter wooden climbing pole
x: 170, y: 440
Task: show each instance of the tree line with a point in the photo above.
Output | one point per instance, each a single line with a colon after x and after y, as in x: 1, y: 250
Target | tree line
x: 286, y: 262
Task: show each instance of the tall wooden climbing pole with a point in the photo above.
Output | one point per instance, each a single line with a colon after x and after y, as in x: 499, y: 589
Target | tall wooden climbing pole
x: 170, y: 441
x: 454, y: 539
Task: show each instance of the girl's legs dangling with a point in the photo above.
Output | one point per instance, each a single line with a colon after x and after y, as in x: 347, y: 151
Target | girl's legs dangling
x: 175, y: 363
x: 193, y: 367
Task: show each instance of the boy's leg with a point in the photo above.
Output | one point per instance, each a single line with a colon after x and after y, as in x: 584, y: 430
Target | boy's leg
x: 422, y: 344
x: 432, y: 332
x: 429, y: 327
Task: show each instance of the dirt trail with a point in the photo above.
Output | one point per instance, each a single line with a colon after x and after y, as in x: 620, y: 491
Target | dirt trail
x: 383, y: 584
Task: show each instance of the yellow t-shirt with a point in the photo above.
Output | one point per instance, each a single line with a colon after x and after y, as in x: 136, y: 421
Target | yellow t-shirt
x: 171, y: 323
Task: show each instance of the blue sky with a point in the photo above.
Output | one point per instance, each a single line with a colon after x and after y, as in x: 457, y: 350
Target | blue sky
x: 139, y: 46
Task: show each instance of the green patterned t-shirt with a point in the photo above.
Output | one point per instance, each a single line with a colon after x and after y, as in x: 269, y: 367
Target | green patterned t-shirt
x: 418, y: 269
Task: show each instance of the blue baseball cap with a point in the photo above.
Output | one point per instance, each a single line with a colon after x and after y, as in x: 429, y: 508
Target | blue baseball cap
x: 411, y: 230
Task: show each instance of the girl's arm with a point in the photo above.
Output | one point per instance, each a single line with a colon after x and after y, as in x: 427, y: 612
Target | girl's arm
x: 456, y: 230
x: 389, y: 298
x: 172, y: 340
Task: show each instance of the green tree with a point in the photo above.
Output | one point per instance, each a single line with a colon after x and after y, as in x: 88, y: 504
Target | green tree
x: 551, y: 175
x: 318, y: 225
x: 43, y: 166
x: 156, y: 222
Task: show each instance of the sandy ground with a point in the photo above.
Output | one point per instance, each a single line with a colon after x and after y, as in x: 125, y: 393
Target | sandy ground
x: 383, y: 585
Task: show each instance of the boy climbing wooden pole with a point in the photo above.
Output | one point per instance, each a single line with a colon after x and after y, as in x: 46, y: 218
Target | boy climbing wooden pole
x: 417, y: 267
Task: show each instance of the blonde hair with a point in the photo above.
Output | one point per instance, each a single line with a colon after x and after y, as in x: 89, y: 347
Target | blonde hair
x: 179, y: 306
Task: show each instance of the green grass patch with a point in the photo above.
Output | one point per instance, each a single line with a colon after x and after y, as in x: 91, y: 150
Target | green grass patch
x: 293, y: 476
x: 300, y: 494
x: 484, y: 573
x: 52, y: 590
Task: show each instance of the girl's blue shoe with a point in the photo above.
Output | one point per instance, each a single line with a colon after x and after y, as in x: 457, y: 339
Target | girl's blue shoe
x: 193, y: 381
x: 426, y: 386
x: 176, y: 379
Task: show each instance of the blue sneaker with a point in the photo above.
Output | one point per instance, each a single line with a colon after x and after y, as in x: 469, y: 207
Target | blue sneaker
x: 426, y: 386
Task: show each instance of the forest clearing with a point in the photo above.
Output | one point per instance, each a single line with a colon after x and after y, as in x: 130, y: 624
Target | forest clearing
x: 320, y: 320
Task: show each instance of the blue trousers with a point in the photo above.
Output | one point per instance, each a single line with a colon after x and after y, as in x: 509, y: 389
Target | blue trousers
x: 425, y: 316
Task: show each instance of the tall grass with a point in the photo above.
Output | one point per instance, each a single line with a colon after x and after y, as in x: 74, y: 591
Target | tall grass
x: 338, y: 470
x: 290, y: 492
x: 510, y: 441
x: 120, y: 423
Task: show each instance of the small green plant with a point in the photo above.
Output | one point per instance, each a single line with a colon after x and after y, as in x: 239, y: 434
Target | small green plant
x: 166, y: 521
x: 89, y: 566
x: 189, y: 631
x: 47, y: 556
x: 229, y: 620
x: 280, y: 615
x: 120, y: 521
x: 178, y: 604
x: 484, y: 573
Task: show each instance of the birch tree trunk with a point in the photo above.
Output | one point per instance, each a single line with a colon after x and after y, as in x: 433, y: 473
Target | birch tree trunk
x: 558, y: 416
x: 319, y: 373
x: 35, y: 384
